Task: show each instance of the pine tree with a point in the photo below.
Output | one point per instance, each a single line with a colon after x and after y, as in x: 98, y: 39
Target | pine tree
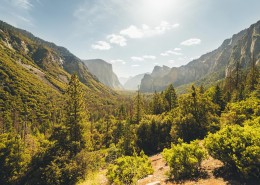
x: 171, y: 97
x: 157, y: 103
x: 202, y: 89
x: 237, y: 73
x: 229, y: 82
x: 218, y: 99
x: 138, y: 107
x: 252, y: 76
x: 75, y: 114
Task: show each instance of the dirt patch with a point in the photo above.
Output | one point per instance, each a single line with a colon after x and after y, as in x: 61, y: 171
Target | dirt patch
x: 160, y: 170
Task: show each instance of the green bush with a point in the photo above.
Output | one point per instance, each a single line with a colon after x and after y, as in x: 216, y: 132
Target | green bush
x: 238, y: 112
x: 184, y: 159
x: 128, y: 169
x: 238, y: 148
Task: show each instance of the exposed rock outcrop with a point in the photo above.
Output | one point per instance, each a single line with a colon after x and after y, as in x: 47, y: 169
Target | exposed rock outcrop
x: 104, y: 72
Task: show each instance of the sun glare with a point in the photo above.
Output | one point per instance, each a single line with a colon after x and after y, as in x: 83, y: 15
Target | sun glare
x: 158, y: 8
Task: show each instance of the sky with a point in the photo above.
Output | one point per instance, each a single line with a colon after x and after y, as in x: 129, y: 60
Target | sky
x: 133, y: 35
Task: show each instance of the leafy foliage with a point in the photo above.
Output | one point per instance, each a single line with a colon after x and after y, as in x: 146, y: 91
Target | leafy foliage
x: 238, y: 112
x: 238, y: 148
x: 184, y: 159
x: 128, y: 169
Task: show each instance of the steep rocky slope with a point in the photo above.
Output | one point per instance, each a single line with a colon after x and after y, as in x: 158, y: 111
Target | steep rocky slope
x: 238, y: 51
x: 55, y: 62
x: 104, y: 72
x: 37, y: 71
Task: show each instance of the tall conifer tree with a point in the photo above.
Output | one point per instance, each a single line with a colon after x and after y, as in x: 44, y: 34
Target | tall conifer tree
x: 75, y: 114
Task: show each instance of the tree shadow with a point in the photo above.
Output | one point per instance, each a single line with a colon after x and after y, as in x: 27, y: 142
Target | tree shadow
x: 233, y: 178
x: 201, y: 174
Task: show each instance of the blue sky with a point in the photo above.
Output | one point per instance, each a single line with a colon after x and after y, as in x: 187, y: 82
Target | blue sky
x: 133, y: 35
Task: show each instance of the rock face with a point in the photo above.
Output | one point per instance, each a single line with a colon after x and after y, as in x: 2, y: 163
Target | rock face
x: 133, y: 82
x: 241, y: 49
x: 149, y: 83
x: 104, y: 72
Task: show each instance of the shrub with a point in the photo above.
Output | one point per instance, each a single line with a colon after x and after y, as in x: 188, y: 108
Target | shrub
x: 238, y: 112
x: 238, y: 148
x: 128, y: 169
x: 184, y: 159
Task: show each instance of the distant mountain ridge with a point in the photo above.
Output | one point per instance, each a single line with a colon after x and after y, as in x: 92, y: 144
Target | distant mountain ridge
x: 104, y: 72
x: 213, y: 66
x: 123, y: 80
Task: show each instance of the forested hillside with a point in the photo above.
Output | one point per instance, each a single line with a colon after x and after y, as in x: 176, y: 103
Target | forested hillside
x: 59, y: 125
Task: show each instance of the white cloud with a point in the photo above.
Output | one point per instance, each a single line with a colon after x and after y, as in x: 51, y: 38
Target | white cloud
x: 149, y: 57
x: 25, y: 4
x: 166, y: 26
x: 170, y: 52
x: 117, y: 39
x: 135, y: 65
x: 171, y: 61
x: 190, y: 42
x: 164, y: 54
x: 117, y: 61
x: 137, y: 58
x: 177, y: 49
x: 146, y: 31
x: 175, y: 53
x: 101, y: 45
x: 132, y: 32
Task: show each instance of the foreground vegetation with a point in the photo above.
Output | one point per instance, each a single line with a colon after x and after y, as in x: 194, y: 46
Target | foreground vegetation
x: 129, y: 169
